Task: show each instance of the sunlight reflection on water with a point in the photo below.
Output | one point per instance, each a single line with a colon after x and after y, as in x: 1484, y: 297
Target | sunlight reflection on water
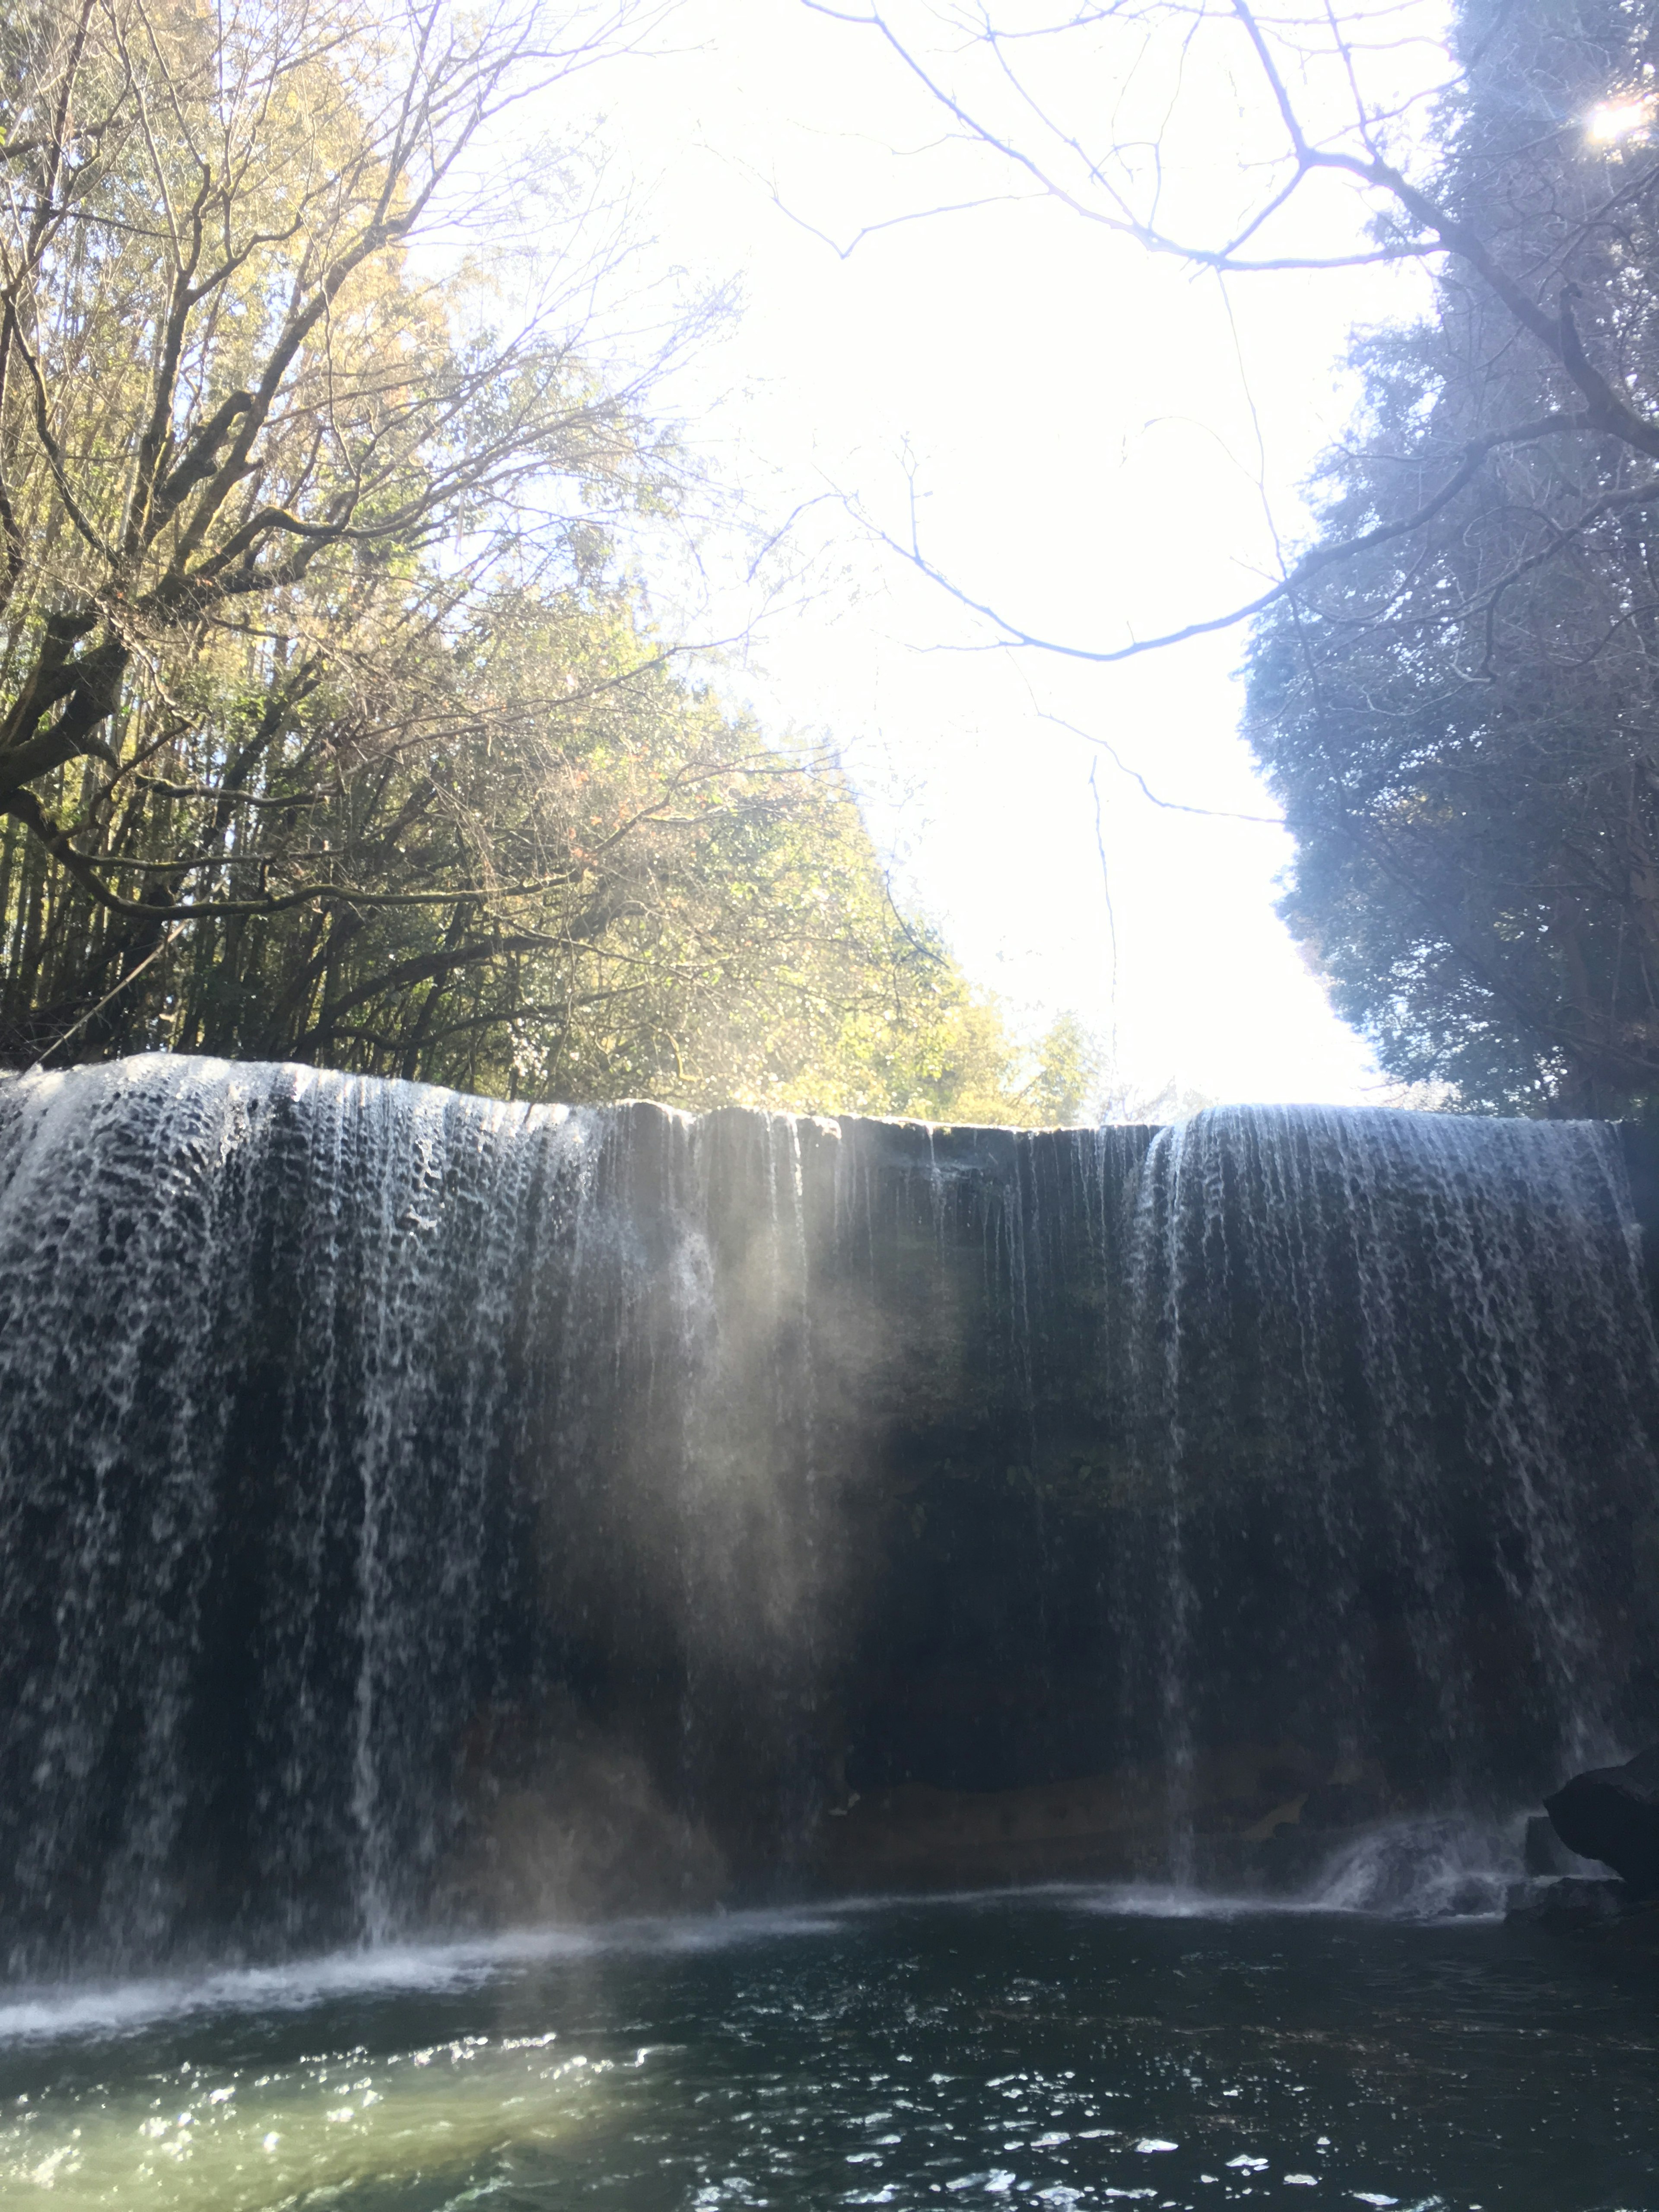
x: 238, y: 2141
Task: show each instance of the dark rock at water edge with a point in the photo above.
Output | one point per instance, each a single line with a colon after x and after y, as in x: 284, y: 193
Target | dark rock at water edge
x: 1612, y: 1814
x: 1571, y: 1903
x: 1546, y: 1857
x: 1600, y: 1910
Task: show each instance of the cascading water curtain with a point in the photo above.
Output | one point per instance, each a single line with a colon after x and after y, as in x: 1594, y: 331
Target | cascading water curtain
x: 424, y: 1510
x: 264, y: 1338
x: 1397, y: 1405
x: 382, y: 1471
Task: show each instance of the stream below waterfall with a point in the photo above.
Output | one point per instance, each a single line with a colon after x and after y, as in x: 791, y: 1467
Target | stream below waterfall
x: 1071, y: 2047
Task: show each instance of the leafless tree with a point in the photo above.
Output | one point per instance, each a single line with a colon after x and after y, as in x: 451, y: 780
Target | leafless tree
x: 1243, y: 143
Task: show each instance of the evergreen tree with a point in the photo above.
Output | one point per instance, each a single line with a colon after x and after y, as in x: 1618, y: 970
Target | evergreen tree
x: 1460, y: 717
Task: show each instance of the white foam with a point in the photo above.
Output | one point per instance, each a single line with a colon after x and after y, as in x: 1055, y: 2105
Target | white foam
x: 70, y: 2010
x: 1170, y: 1901
x: 1436, y: 1867
x: 1430, y: 1869
x: 1425, y: 1869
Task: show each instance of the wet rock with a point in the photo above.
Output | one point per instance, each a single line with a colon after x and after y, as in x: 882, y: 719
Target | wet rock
x: 1113, y: 1826
x: 1612, y: 1814
x: 1571, y: 1904
x: 917, y: 1836
x: 1546, y: 1857
x: 1344, y: 1805
x: 1599, y: 1911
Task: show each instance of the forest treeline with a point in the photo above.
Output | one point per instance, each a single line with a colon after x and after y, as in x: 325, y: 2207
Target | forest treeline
x: 335, y: 721
x: 334, y: 725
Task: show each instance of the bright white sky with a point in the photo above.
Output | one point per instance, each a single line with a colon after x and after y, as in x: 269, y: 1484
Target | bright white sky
x: 1080, y: 424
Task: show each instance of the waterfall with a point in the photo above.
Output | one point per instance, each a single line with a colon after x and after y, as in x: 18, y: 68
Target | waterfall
x: 418, y: 1510
x: 1396, y: 1383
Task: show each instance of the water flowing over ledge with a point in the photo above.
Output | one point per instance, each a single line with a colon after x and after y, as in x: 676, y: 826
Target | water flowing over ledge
x: 423, y: 1512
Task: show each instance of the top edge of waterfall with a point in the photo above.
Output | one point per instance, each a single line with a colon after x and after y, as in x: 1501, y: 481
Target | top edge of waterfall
x: 303, y: 1076
x: 160, y: 1064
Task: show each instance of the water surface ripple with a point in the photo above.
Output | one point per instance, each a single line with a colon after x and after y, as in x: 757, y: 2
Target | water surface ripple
x: 1069, y: 2048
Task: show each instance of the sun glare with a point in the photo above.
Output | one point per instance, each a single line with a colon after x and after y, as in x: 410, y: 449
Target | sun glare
x: 1617, y: 118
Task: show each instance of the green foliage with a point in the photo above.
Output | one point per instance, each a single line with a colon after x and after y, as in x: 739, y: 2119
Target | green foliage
x: 325, y: 731
x: 709, y: 922
x: 1061, y: 1094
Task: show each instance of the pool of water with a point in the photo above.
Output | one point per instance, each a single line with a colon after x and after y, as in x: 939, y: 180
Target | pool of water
x: 1069, y: 2048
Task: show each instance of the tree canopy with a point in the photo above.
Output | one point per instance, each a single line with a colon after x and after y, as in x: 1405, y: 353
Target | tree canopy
x: 332, y: 727
x: 1461, y: 716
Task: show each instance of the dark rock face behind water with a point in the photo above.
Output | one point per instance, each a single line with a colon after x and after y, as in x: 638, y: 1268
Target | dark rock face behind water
x: 416, y: 1508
